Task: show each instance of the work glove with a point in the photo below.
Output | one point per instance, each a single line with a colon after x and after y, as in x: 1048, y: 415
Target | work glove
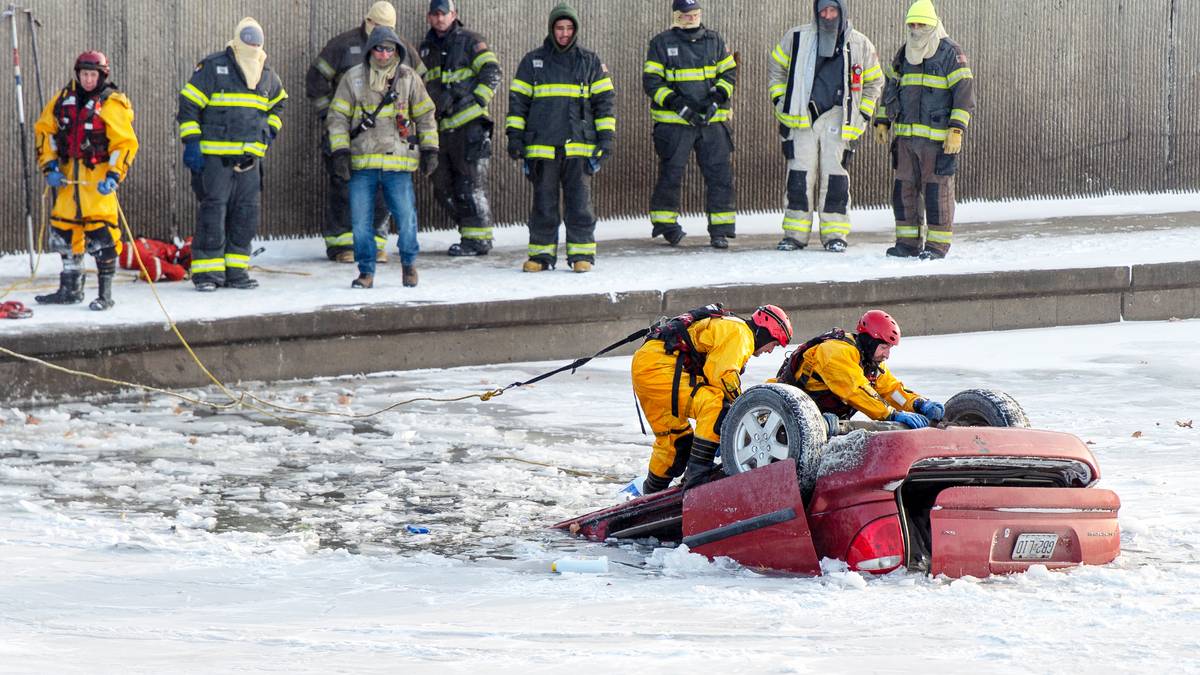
x: 882, y: 135
x: 910, y: 420
x: 688, y: 110
x: 109, y: 184
x: 429, y: 161
x: 932, y: 409
x: 516, y: 149
x: 718, y: 94
x: 709, y: 113
x: 598, y: 156
x: 192, y: 157
x: 341, y: 164
x: 953, y: 143
x: 54, y: 177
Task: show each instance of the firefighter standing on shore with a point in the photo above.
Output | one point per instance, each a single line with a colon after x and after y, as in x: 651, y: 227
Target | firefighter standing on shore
x: 561, y: 124
x: 228, y: 117
x: 928, y: 102
x: 844, y: 373
x: 462, y: 77
x: 85, y: 146
x: 690, y: 368
x: 340, y: 54
x: 825, y: 81
x: 689, y: 76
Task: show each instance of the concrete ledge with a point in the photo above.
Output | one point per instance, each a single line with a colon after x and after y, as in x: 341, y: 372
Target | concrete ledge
x: 339, y: 341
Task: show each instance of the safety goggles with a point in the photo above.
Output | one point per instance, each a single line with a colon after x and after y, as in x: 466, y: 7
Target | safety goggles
x: 384, y: 49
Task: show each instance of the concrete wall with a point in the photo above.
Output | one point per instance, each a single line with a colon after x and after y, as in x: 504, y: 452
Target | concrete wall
x: 401, y: 337
x: 1075, y: 98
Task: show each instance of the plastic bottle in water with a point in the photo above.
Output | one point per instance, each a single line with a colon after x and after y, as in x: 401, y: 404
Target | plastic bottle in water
x: 580, y: 565
x: 632, y: 489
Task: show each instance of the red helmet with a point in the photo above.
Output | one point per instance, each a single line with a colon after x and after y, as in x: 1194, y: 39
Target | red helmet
x: 92, y: 60
x: 775, y: 321
x: 881, y: 326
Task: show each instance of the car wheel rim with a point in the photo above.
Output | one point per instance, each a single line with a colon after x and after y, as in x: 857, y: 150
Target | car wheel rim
x: 760, y: 438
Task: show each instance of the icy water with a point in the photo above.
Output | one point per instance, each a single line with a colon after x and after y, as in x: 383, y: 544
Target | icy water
x: 149, y: 535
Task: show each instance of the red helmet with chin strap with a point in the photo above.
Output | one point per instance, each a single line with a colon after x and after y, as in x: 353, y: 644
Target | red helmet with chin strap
x: 92, y: 60
x: 775, y: 321
x: 881, y: 326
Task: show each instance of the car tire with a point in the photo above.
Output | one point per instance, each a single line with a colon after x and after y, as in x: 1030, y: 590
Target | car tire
x: 769, y: 423
x: 984, y: 408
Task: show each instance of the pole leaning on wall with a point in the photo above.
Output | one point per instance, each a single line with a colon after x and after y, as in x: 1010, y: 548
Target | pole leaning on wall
x: 22, y: 136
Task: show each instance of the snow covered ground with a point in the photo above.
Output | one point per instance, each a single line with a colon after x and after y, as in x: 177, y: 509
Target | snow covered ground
x: 296, y: 277
x: 151, y: 537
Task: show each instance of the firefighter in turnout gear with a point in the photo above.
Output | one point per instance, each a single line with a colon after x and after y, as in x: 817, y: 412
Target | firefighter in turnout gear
x: 462, y: 78
x: 228, y: 116
x: 85, y: 146
x: 339, y: 55
x: 382, y: 129
x: 690, y: 369
x: 844, y: 373
x: 825, y: 81
x: 561, y: 123
x: 928, y: 103
x: 689, y: 76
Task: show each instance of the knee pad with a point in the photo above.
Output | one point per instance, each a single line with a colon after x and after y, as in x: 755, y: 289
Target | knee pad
x: 797, y: 191
x: 837, y: 195
x: 106, y: 258
x: 933, y: 208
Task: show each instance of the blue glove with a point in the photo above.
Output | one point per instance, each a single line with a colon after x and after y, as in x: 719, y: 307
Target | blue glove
x: 910, y: 420
x: 192, y: 157
x: 932, y: 409
x: 108, y: 185
x: 54, y: 177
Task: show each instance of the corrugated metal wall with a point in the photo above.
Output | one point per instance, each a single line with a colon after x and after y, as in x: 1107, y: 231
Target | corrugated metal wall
x: 1075, y: 98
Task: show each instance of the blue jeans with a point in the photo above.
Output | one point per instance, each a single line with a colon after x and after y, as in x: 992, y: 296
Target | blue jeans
x: 398, y: 193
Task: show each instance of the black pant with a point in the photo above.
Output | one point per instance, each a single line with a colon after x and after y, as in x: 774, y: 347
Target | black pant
x: 573, y: 177
x: 674, y: 144
x: 460, y: 182
x: 337, y: 230
x: 227, y: 220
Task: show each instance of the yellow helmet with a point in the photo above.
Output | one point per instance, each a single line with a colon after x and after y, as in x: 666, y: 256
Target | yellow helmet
x: 922, y: 11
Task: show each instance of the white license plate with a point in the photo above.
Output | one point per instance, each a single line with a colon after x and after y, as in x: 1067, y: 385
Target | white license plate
x: 1035, y: 546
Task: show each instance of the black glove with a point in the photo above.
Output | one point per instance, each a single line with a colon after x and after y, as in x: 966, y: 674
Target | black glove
x: 429, y: 161
x: 598, y: 156
x: 444, y: 104
x: 516, y: 149
x: 709, y: 113
x: 341, y: 165
x: 689, y: 110
x: 718, y: 94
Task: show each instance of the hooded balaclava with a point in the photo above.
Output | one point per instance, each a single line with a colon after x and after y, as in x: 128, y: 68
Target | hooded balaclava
x: 247, y: 46
x: 564, y: 11
x: 829, y: 32
x: 923, y: 41
x: 381, y: 13
x: 380, y: 74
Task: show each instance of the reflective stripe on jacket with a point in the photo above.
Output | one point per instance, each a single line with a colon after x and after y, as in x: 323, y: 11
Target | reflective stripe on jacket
x: 461, y: 71
x: 383, y: 146
x: 793, y: 66
x: 340, y: 55
x: 925, y: 100
x: 690, y: 65
x: 561, y: 100
x: 227, y: 117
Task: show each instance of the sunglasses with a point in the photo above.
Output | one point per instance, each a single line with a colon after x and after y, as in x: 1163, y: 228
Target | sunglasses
x: 384, y: 49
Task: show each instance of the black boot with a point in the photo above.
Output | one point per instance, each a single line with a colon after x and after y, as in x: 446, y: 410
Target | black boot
x: 107, y: 270
x: 654, y: 484
x: 700, y: 463
x: 70, y: 290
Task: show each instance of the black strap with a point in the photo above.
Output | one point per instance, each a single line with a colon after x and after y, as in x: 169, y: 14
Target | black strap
x: 388, y: 98
x: 577, y: 363
x: 675, y: 387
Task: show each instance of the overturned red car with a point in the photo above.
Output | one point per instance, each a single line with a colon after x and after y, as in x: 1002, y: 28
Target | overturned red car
x: 980, y: 494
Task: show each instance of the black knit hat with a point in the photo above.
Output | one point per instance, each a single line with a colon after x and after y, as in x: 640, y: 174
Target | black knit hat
x: 684, y: 5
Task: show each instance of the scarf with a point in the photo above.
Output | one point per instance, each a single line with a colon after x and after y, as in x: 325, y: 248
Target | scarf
x: 382, y: 74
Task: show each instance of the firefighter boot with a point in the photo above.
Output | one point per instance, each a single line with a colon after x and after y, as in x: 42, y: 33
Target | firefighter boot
x: 104, y: 301
x: 70, y: 290
x: 409, y: 276
x: 700, y: 464
x: 654, y: 484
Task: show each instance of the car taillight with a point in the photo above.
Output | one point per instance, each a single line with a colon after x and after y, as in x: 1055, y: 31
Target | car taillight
x: 878, y: 548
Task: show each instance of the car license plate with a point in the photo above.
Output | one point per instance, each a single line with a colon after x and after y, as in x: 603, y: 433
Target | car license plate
x: 1035, y: 546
